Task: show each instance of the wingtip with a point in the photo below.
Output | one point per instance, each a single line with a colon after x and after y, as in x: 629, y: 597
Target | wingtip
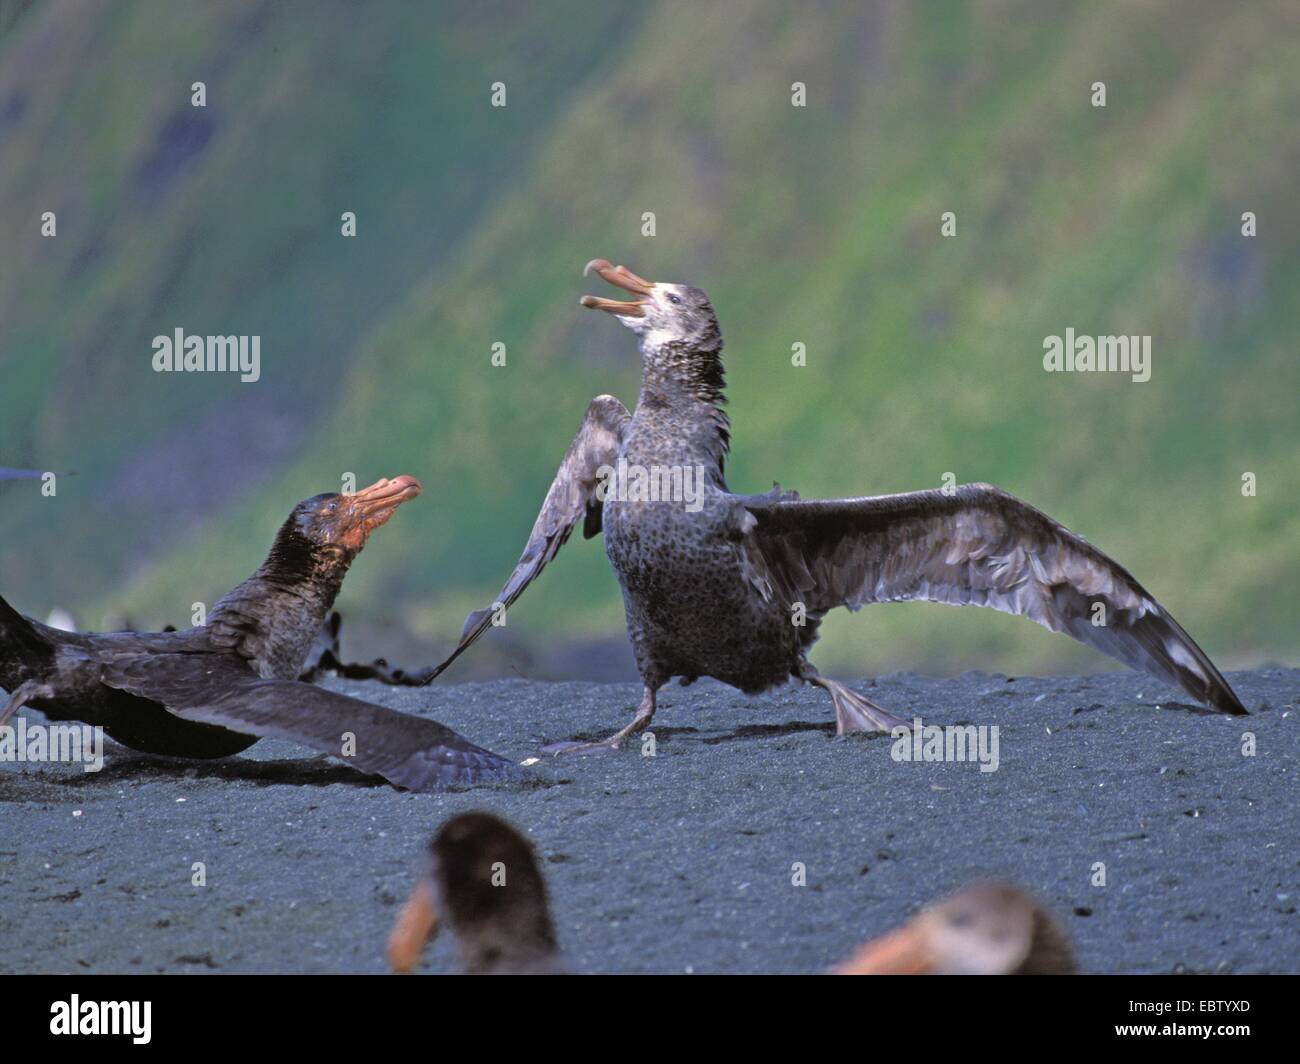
x: 1231, y: 705
x: 1224, y: 698
x: 473, y: 767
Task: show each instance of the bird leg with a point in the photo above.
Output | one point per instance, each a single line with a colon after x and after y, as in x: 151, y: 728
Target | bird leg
x: 855, y: 712
x: 644, y: 712
x: 21, y: 695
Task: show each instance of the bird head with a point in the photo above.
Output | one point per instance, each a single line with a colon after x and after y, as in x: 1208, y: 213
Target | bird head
x: 661, y: 314
x: 986, y: 929
x: 482, y: 880
x: 332, y: 528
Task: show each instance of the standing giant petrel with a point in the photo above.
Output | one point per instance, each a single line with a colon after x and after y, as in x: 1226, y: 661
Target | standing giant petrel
x: 717, y: 586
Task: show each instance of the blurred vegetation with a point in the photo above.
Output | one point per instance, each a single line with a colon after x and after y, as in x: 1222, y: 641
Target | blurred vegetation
x: 817, y: 225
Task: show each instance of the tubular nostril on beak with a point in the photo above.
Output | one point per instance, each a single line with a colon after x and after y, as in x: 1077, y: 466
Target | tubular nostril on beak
x: 629, y: 276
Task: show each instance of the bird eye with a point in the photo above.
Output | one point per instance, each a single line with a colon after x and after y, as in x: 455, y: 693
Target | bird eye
x: 674, y: 299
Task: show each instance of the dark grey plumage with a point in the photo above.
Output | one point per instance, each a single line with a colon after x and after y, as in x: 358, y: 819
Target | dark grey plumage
x: 720, y: 589
x: 213, y: 691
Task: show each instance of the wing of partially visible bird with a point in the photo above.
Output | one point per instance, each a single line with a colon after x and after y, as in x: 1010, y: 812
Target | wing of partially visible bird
x: 573, y: 495
x: 977, y: 546
x: 10, y: 473
x: 408, y: 751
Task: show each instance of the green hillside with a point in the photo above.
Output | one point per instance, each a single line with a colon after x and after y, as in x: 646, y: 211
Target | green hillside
x: 817, y: 225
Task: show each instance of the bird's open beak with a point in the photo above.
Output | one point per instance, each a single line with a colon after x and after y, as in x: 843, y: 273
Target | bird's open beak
x: 415, y: 926
x: 619, y: 277
x: 901, y: 952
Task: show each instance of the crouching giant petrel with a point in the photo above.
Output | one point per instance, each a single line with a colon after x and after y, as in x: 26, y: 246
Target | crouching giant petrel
x: 718, y: 585
x: 213, y: 691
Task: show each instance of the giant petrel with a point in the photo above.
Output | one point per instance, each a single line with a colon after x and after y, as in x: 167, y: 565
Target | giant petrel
x: 213, y: 690
x: 735, y: 586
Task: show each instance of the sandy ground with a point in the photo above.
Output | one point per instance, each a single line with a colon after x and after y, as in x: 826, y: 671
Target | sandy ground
x: 682, y: 862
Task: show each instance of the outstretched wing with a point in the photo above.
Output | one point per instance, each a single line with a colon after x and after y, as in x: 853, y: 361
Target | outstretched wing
x: 978, y: 546
x: 408, y: 751
x: 572, y: 496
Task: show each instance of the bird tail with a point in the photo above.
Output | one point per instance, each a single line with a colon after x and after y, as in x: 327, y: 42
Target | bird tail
x: 18, y: 636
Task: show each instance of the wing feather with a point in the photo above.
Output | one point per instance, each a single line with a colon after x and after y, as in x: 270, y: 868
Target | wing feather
x: 408, y: 751
x: 976, y: 546
x: 572, y: 496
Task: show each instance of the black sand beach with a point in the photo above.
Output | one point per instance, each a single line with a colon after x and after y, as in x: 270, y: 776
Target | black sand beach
x: 683, y: 862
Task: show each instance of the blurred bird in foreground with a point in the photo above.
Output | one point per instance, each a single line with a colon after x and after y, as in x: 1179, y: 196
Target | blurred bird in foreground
x: 483, y: 881
x: 984, y: 929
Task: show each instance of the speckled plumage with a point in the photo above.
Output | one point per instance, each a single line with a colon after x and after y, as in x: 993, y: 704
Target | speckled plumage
x: 736, y: 586
x: 690, y: 610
